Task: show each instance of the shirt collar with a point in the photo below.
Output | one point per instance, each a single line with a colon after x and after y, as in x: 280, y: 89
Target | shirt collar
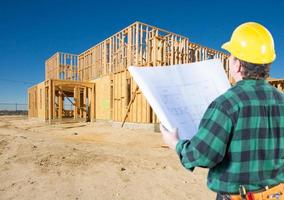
x: 251, y: 82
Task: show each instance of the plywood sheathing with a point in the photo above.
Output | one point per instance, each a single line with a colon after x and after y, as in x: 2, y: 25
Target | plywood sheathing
x: 32, y: 100
x: 36, y: 101
x: 103, y: 98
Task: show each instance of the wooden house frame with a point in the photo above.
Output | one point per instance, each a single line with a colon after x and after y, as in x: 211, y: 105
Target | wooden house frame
x: 98, y: 80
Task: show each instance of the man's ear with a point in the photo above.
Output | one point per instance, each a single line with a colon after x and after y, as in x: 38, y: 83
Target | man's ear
x: 238, y: 65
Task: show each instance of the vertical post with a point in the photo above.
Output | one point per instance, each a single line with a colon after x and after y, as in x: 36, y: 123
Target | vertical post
x: 93, y: 103
x: 53, y: 98
x: 75, y: 102
x: 155, y: 48
x: 121, y: 52
x: 78, y: 66
x: 58, y: 66
x: 111, y: 46
x: 50, y: 101
x: 129, y: 46
x: 72, y: 68
x: 85, y: 104
x: 147, y: 49
x: 46, y: 101
x: 140, y: 46
x: 60, y: 103
x: 80, y: 103
x: 89, y: 102
x: 172, y: 50
x: 136, y: 45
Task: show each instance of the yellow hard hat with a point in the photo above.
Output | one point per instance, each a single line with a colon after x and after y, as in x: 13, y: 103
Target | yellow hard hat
x: 253, y: 43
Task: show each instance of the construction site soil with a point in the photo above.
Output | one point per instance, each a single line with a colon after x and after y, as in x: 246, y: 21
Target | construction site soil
x: 91, y: 161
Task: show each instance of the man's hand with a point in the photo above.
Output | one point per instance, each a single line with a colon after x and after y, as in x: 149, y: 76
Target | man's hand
x: 170, y: 138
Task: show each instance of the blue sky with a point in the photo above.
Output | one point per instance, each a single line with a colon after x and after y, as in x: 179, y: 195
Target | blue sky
x: 31, y: 31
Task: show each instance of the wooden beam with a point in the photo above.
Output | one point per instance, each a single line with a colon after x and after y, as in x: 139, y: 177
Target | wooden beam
x: 84, y: 103
x: 93, y: 104
x: 60, y: 103
x: 75, y: 102
x: 50, y: 101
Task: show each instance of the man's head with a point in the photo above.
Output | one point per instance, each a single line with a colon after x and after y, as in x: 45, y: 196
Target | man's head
x: 252, y: 52
x: 240, y: 69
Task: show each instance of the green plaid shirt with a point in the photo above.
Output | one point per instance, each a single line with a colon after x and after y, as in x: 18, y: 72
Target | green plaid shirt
x: 240, y: 138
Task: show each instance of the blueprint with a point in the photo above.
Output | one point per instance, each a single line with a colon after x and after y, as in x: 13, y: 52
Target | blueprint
x: 180, y: 94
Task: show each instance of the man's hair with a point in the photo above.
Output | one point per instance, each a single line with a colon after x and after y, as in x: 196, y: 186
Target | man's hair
x: 254, y: 71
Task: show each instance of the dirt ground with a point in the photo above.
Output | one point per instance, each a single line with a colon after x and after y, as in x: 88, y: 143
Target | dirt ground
x: 91, y: 161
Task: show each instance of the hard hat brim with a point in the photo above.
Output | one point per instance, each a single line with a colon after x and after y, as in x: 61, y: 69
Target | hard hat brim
x: 229, y: 47
x: 226, y: 46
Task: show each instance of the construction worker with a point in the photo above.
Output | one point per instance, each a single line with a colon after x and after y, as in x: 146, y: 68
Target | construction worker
x: 241, y: 135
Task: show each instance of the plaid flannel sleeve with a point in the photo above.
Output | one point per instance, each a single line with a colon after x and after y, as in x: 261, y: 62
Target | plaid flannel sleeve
x: 208, y: 147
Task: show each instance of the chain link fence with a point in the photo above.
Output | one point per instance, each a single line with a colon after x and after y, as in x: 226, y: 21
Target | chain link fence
x: 13, y: 109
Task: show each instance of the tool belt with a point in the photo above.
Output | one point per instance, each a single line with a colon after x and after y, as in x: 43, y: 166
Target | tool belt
x: 273, y: 193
